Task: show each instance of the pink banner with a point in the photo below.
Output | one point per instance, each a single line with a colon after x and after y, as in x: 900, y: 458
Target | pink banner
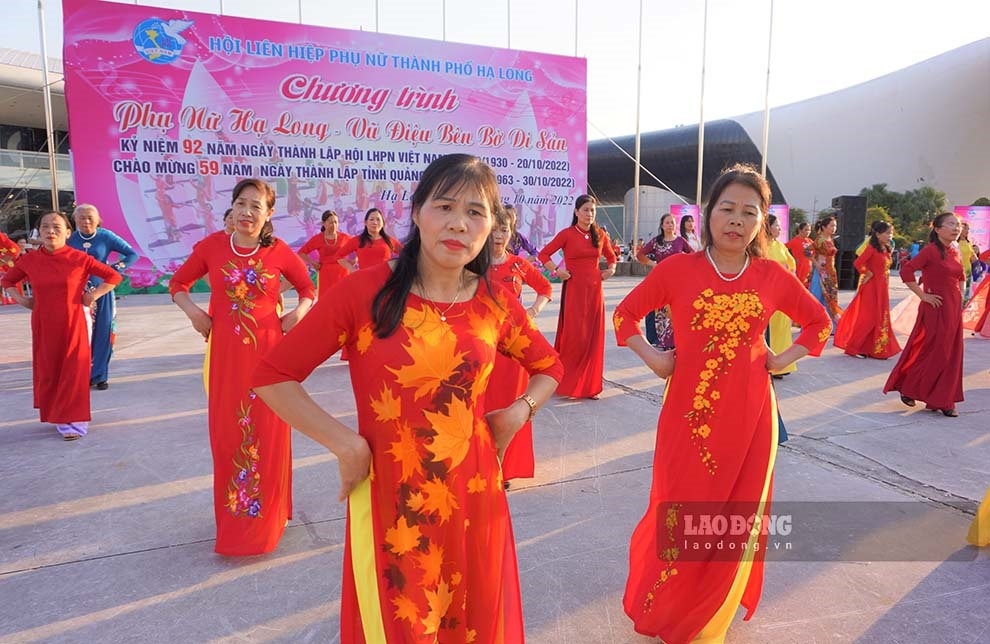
x: 978, y: 218
x: 681, y: 210
x: 783, y: 213
x: 168, y: 109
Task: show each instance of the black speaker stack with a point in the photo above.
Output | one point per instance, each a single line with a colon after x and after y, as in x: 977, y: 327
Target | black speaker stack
x: 850, y: 219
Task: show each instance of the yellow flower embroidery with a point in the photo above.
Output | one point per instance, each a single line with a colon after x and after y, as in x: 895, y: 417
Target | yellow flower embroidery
x: 729, y: 319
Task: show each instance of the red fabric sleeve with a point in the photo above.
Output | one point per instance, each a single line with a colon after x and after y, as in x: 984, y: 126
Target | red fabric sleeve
x: 910, y: 267
x: 523, y: 342
x: 800, y: 305
x: 862, y: 262
x: 648, y: 295
x: 191, y: 270
x: 295, y: 271
x: 104, y: 272
x: 645, y: 249
x: 607, y: 249
x: 533, y: 278
x: 13, y: 275
x: 348, y: 248
x: 555, y: 244
x: 313, y: 243
x: 985, y: 256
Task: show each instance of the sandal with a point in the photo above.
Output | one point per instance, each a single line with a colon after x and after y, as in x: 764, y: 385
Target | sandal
x: 951, y: 413
x: 71, y: 437
x: 907, y: 401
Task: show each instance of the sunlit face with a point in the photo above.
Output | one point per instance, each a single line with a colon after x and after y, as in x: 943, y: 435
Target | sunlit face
x: 887, y: 236
x: 830, y: 228
x: 374, y: 223
x: 775, y: 230
x: 330, y: 226
x: 689, y: 224
x: 251, y: 212
x: 586, y: 215
x: 804, y: 231
x: 453, y: 227
x: 736, y: 218
x: 501, y: 233
x: 54, y: 232
x: 964, y: 231
x: 948, y: 232
x: 86, y: 220
x: 667, y: 226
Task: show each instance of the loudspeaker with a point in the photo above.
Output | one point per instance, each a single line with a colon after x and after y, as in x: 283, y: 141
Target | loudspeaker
x: 850, y: 219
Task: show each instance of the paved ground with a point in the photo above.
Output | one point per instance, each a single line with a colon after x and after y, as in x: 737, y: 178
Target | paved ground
x: 109, y: 539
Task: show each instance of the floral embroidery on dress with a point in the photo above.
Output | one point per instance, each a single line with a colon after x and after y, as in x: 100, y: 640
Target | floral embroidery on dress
x: 669, y: 556
x: 729, y: 318
x: 243, y: 284
x: 244, y: 489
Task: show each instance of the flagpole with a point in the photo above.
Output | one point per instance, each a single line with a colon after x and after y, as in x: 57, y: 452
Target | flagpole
x: 444, y: 20
x: 508, y: 24
x: 766, y: 101
x: 47, y: 93
x: 701, y: 111
x: 575, y: 28
x: 639, y: 79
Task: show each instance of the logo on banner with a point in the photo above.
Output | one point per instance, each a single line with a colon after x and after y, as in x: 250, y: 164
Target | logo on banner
x: 160, y: 42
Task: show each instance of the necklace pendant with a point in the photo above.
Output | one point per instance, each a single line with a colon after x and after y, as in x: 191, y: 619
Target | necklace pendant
x: 443, y: 318
x: 87, y: 245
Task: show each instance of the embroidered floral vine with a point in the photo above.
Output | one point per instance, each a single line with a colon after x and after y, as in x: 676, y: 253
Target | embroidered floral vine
x: 244, y: 488
x: 244, y: 282
x: 728, y: 319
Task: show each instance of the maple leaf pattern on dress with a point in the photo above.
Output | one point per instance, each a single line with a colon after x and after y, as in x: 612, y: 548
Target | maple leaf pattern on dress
x: 387, y: 407
x: 405, y: 451
x: 438, y: 602
x: 405, y: 608
x: 453, y: 432
x: 430, y: 367
x: 439, y: 499
x: 430, y: 562
x: 402, y: 537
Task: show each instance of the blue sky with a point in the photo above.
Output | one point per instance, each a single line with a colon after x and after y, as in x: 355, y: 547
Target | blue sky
x: 818, y: 47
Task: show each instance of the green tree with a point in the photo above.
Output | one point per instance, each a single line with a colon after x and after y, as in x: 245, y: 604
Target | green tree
x: 797, y: 216
x: 982, y: 201
x: 911, y: 211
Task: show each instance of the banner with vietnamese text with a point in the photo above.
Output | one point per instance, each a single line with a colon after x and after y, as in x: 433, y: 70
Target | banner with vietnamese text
x: 169, y: 109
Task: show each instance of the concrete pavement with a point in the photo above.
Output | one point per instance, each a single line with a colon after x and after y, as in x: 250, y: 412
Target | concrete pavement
x: 109, y: 539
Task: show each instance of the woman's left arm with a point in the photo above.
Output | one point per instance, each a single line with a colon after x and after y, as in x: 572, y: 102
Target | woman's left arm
x: 297, y: 275
x: 126, y: 254
x: 110, y: 277
x: 609, y: 254
x: 800, y: 305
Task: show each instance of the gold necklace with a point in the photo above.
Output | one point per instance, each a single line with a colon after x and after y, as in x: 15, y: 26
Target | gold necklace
x: 443, y: 314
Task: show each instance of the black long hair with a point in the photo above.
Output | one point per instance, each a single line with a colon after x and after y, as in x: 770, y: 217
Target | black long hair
x: 878, y: 228
x: 933, y: 235
x: 365, y: 237
x: 443, y: 176
x: 823, y: 223
x: 267, y: 236
x: 595, y: 233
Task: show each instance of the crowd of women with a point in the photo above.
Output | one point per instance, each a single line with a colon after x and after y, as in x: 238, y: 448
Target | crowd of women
x: 448, y: 370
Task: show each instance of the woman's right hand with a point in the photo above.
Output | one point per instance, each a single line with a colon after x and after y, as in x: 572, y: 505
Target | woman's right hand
x: 354, y: 464
x: 201, y: 321
x: 931, y: 298
x: 563, y: 274
x: 661, y: 362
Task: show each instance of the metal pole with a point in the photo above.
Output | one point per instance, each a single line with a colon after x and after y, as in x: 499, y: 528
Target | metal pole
x: 47, y: 93
x: 444, y: 20
x: 300, y: 12
x: 221, y: 6
x: 376, y: 16
x: 701, y: 112
x: 639, y: 77
x: 508, y: 24
x: 766, y: 101
x: 575, y: 28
